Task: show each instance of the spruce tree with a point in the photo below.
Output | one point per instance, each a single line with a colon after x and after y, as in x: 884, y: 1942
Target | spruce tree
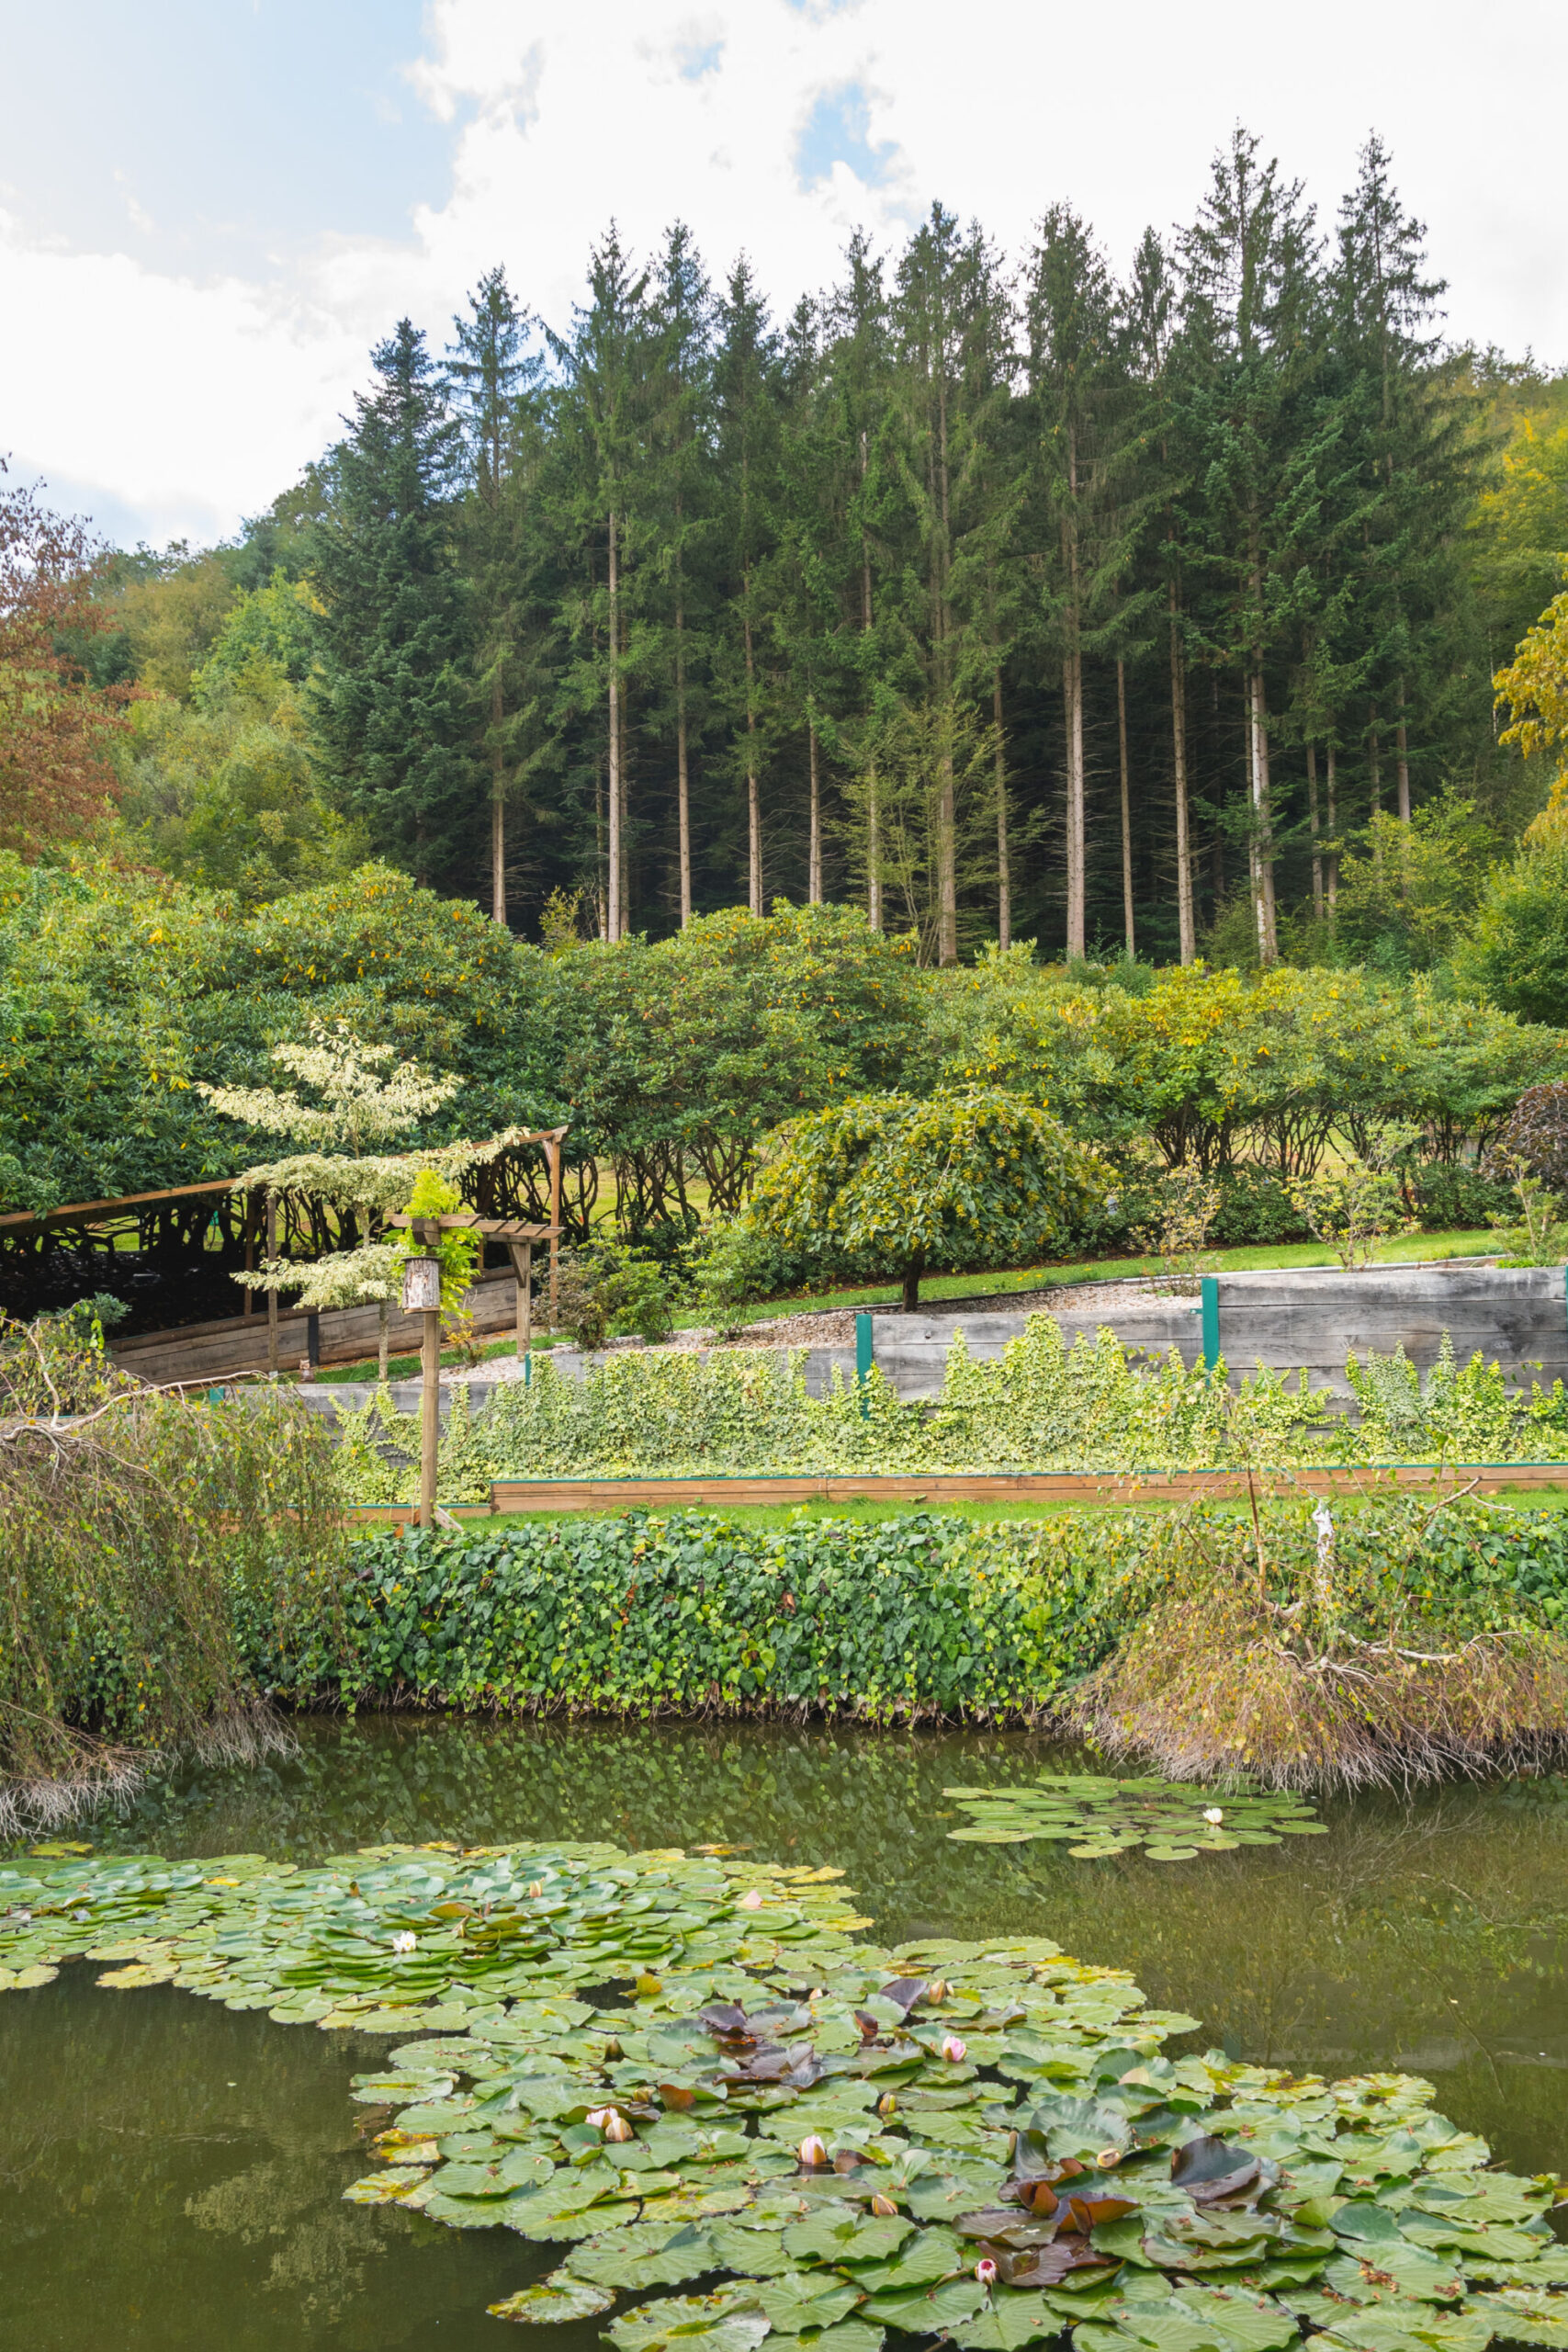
x: 393, y: 710
x: 494, y: 392
x: 748, y: 387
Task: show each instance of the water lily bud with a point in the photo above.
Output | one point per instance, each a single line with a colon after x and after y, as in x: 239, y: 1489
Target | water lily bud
x: 1214, y: 1814
x: 611, y: 2047
x: 1012, y: 2142
x: 617, y: 2129
x: 887, y: 2104
x: 954, y: 2051
x: 812, y: 2152
x: 883, y: 2205
x: 535, y: 1888
x: 752, y: 1900
x: 937, y: 1990
x: 404, y: 1940
x: 1108, y: 2159
x: 599, y: 2116
x: 986, y: 2272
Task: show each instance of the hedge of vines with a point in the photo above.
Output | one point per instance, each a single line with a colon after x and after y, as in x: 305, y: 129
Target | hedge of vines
x: 1040, y: 1406
x: 926, y: 1616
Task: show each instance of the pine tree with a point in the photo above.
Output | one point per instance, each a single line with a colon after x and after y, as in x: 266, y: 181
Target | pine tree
x: 493, y: 384
x: 394, y: 707
x: 857, y: 366
x: 747, y: 377
x: 1250, y: 297
x: 681, y: 501
x: 607, y: 361
x: 1076, y: 385
x: 1412, y: 446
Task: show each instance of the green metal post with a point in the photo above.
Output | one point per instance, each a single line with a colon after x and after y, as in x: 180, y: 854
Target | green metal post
x: 1211, y: 1321
x: 862, y: 1361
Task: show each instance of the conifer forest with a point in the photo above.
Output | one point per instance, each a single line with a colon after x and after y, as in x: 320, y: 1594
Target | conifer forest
x: 1121, y: 604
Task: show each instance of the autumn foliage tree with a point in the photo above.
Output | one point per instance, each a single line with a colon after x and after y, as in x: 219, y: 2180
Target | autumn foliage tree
x: 55, y: 725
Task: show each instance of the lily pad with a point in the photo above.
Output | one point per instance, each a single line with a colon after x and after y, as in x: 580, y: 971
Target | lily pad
x: 557, y: 2297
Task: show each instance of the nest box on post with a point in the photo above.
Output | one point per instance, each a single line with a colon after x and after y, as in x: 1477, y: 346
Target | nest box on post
x: 421, y: 1285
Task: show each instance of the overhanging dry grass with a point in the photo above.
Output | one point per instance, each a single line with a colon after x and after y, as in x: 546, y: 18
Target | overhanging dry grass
x: 1222, y: 1677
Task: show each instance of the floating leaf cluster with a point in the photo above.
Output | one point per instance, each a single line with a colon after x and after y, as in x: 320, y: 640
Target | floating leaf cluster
x: 1096, y: 1817
x: 815, y: 2140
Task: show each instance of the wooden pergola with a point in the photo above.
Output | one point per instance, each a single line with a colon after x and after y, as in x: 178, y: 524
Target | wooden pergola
x: 518, y: 1236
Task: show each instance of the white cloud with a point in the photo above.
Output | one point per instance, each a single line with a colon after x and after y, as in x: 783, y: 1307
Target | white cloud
x: 206, y: 397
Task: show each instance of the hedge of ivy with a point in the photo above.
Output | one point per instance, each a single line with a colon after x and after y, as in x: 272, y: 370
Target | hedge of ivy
x: 931, y: 1615
x: 1040, y: 1406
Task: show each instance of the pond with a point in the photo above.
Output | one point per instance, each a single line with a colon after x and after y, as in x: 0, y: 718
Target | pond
x: 173, y: 2171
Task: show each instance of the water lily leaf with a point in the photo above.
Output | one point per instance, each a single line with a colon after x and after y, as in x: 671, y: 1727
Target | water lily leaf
x: 24, y: 1980
x: 836, y: 2237
x: 928, y: 2310
x: 1409, y: 2328
x: 694, y: 2203
x: 646, y: 2253
x: 558, y: 2297
x: 724, y: 2320
x: 848, y: 2335
x: 806, y: 2299
x: 388, y: 2188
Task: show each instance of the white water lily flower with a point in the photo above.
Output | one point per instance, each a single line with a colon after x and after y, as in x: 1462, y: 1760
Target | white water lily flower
x: 1214, y: 1814
x: 404, y: 1940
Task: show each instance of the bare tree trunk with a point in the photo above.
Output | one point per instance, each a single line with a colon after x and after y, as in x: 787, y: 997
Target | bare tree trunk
x: 1261, y: 846
x: 814, y: 842
x: 1402, y: 756
x: 497, y: 807
x: 382, y: 1342
x: 1374, y: 763
x: 626, y: 827
x: 1312, y: 821
x: 1004, y: 870
x: 1126, y: 803
x: 873, y: 803
x: 1187, y: 930
x: 753, y: 788
x: 1333, y: 835
x: 1072, y: 696
x: 1072, y: 689
x: 613, y: 914
x: 682, y: 776
x: 601, y: 863
x: 947, y: 857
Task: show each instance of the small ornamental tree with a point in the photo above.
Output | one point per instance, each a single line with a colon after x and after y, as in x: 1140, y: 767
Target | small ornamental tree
x: 890, y: 1184
x: 361, y: 1104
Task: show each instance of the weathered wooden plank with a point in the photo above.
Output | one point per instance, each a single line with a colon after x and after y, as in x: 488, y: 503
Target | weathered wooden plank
x: 1134, y: 1487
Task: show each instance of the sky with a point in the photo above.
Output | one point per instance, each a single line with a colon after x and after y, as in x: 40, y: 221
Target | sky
x: 211, y: 209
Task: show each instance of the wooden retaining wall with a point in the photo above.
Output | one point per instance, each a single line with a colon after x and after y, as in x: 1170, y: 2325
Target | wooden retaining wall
x: 199, y: 1352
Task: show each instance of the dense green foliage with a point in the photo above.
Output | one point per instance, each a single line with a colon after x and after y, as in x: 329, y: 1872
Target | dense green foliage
x: 1038, y: 1406
x: 928, y: 1615
x: 883, y: 1183
x: 121, y: 992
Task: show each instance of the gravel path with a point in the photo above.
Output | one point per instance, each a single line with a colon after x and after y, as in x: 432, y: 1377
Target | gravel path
x: 836, y: 1328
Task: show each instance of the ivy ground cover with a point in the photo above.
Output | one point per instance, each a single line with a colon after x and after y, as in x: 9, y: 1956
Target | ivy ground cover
x: 730, y: 2120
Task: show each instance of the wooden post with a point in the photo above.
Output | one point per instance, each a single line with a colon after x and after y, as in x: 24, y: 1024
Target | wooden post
x: 522, y: 1254
x: 552, y: 1153
x: 422, y: 1295
x: 430, y: 1417
x: 250, y: 1305
x: 272, y: 1293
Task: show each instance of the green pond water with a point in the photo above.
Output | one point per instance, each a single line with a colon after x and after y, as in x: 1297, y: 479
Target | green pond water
x: 171, y: 2173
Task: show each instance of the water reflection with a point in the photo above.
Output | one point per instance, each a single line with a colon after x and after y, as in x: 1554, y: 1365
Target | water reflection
x: 173, y: 2172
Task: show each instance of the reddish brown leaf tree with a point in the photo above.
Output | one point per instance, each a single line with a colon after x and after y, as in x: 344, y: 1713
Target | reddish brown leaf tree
x: 56, y: 776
